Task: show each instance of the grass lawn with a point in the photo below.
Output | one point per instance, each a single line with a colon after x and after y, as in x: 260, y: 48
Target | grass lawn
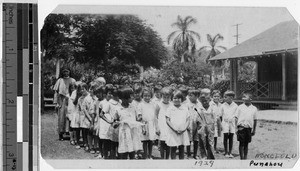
x: 271, y: 138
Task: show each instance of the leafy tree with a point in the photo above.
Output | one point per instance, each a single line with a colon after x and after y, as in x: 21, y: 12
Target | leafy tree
x: 183, y: 39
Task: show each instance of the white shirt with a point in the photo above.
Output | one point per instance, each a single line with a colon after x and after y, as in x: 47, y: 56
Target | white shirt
x: 246, y: 115
x: 228, y: 111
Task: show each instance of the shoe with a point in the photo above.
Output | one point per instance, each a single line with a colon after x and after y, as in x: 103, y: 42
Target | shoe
x: 98, y: 152
x: 92, y: 151
x: 99, y: 156
x: 226, y: 155
x: 72, y: 142
x: 77, y: 147
x: 196, y: 158
x: 230, y: 156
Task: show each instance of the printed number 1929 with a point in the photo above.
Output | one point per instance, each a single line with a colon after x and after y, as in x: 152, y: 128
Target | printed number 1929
x: 209, y: 163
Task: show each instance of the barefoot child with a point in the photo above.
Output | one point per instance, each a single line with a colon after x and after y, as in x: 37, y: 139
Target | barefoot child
x: 245, y: 119
x: 228, y: 110
x: 161, y: 111
x: 177, y: 117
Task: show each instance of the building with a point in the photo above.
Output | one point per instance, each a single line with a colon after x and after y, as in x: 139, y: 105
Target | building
x: 275, y: 52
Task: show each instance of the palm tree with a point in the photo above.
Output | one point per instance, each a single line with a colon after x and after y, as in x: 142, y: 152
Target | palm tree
x: 213, y: 51
x: 213, y: 48
x: 183, y: 39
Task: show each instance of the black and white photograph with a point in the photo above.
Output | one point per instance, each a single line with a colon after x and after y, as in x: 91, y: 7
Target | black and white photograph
x: 208, y: 85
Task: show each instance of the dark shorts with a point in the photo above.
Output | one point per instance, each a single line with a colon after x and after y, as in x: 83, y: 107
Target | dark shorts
x: 244, y: 135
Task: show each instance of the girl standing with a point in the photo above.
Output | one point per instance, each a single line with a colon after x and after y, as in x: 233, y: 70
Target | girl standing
x: 105, y: 122
x: 161, y: 111
x: 177, y: 118
x: 113, y: 133
x: 129, y: 128
x: 146, y: 113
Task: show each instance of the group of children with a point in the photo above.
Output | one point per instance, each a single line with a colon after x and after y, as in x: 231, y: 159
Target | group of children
x: 124, y: 122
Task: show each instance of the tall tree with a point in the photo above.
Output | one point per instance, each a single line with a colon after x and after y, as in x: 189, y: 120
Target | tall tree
x: 183, y: 38
x: 213, y: 48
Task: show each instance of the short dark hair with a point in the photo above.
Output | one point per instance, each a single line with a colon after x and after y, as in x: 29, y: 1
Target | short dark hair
x: 146, y: 89
x: 178, y: 94
x: 194, y: 92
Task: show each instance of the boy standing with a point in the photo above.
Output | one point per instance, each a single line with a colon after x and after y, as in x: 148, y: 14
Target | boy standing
x: 245, y: 119
x: 228, y: 110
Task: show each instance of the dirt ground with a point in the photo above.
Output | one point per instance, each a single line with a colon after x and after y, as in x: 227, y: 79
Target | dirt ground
x: 273, y: 140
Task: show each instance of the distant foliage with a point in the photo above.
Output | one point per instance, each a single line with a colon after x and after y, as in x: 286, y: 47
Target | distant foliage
x: 222, y: 86
x: 247, y: 72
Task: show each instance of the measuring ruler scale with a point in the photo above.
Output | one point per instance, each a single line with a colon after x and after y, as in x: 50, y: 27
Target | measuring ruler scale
x: 20, y: 87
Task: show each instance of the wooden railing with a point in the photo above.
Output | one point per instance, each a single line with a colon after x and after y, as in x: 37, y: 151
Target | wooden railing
x: 262, y: 90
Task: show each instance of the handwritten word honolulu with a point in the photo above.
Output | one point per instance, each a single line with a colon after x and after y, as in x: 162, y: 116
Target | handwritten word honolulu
x: 265, y: 164
x: 275, y: 156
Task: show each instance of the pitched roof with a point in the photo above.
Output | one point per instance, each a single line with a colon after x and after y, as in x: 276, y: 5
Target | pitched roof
x: 282, y: 36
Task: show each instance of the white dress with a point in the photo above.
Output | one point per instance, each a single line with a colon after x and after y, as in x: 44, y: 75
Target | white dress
x: 147, y: 110
x: 103, y: 125
x: 129, y: 130
x: 74, y: 111
x: 113, y: 133
x: 178, y: 117
x: 162, y: 123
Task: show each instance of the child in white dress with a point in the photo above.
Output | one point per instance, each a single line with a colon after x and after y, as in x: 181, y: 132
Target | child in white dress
x: 105, y: 122
x: 177, y: 117
x: 161, y: 111
x: 129, y: 128
x: 113, y: 132
x: 146, y: 113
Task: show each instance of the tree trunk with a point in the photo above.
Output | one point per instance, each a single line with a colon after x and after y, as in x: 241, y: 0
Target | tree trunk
x: 58, y: 62
x: 182, y: 59
x: 141, y: 72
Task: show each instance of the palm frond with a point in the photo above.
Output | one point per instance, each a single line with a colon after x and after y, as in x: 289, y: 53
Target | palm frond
x: 209, y: 39
x: 170, y: 36
x: 217, y: 38
x: 222, y: 47
x: 197, y: 35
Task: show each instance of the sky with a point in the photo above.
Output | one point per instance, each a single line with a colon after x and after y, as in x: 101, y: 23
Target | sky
x: 210, y: 20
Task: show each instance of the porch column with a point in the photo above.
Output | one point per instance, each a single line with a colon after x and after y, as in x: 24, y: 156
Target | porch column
x: 283, y: 97
x: 233, y: 75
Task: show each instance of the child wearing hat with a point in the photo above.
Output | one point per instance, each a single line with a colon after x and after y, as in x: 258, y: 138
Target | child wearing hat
x: 228, y: 110
x: 245, y: 119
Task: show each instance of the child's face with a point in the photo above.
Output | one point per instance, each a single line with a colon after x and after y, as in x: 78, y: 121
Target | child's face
x: 147, y: 96
x: 216, y: 97
x: 83, y: 91
x: 205, y: 95
x: 176, y: 101
x: 137, y: 95
x: 205, y: 103
x: 227, y: 99
x: 99, y: 95
x: 108, y: 96
x: 193, y: 98
x: 166, y: 98
x: 157, y: 94
x: 72, y: 88
x: 91, y: 91
x: 66, y: 73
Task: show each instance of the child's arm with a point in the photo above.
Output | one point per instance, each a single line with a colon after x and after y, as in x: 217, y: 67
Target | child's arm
x: 171, y: 125
x: 255, y: 123
x: 103, y: 111
x: 156, y: 120
x: 187, y: 123
x: 85, y: 110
